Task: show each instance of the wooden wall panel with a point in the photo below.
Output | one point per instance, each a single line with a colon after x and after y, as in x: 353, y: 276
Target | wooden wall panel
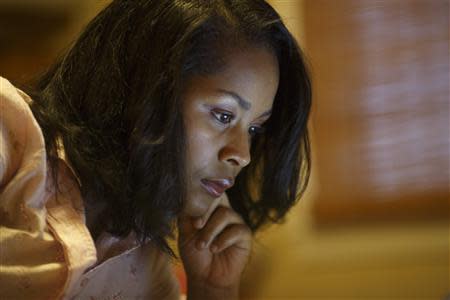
x: 381, y: 112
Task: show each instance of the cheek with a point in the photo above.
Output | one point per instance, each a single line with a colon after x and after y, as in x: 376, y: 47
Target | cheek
x: 199, y: 144
x: 203, y: 143
x: 200, y: 147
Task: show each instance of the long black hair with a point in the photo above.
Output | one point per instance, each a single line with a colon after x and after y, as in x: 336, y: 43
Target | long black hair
x: 114, y: 101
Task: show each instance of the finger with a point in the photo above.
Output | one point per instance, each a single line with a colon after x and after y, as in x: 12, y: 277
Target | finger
x: 238, y: 235
x: 188, y: 226
x: 220, y: 219
x: 201, y: 221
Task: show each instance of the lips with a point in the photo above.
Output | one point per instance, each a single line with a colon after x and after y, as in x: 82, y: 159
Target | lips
x: 216, y: 187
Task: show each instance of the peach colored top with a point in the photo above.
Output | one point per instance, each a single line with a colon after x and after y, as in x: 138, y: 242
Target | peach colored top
x: 46, y: 250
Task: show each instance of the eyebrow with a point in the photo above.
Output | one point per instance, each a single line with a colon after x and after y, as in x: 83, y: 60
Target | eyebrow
x: 242, y: 102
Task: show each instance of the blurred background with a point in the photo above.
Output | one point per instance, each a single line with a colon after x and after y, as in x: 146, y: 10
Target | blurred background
x: 374, y: 222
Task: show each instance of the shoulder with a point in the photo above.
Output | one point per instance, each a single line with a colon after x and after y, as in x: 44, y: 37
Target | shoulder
x: 23, y: 161
x: 12, y: 99
x: 20, y: 134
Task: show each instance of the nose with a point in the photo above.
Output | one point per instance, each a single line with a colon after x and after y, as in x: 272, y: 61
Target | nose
x: 236, y: 152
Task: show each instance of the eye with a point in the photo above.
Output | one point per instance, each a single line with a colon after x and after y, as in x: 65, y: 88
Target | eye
x: 256, y: 130
x: 223, y: 117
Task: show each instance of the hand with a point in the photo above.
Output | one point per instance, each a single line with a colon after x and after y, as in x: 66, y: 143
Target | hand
x: 214, y: 248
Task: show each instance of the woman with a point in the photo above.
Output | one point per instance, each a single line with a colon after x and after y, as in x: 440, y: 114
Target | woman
x: 189, y: 113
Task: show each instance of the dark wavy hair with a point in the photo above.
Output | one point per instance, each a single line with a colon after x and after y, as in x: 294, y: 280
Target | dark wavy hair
x: 114, y: 101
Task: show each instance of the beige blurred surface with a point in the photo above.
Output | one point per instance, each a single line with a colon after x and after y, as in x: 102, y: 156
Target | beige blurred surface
x: 380, y: 259
x: 381, y: 122
x: 403, y: 252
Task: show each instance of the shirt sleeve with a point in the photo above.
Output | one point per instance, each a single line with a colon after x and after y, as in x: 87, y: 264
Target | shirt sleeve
x: 31, y: 260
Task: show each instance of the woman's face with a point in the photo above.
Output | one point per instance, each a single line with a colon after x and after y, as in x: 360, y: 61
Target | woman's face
x: 221, y: 113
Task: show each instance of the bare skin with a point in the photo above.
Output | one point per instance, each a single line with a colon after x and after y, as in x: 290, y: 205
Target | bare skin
x: 213, y: 270
x: 222, y: 112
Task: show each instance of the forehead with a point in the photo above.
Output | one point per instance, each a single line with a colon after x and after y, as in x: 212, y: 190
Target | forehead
x: 251, y: 73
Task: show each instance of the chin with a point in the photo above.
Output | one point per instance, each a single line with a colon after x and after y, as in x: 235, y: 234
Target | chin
x: 195, y: 208
x: 194, y: 212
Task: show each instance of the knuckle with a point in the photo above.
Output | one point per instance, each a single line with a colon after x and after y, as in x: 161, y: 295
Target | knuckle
x: 235, y: 230
x: 244, y: 229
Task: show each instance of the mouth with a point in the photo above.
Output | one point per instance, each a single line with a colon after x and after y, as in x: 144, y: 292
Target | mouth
x: 216, y: 187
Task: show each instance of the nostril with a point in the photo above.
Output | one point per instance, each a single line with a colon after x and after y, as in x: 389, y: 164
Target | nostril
x: 238, y: 161
x: 233, y: 161
x: 234, y: 155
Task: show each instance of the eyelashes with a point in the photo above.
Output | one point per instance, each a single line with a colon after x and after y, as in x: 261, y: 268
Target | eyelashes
x: 222, y: 116
x: 225, y: 118
x: 256, y: 130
